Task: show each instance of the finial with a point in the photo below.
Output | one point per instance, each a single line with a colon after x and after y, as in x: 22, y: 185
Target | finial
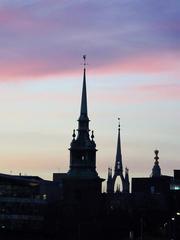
x: 84, y: 57
x: 92, y: 135
x: 118, y: 123
x: 74, y: 134
x: 109, y: 169
x: 109, y: 172
x: 156, y: 155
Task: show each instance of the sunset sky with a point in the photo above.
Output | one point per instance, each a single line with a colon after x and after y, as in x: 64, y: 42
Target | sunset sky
x: 133, y: 72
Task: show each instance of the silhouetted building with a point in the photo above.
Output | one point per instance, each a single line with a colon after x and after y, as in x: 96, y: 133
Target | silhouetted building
x: 175, y: 184
x: 156, y: 203
x: 156, y: 183
x: 81, y: 185
x: 118, y: 170
x: 22, y: 206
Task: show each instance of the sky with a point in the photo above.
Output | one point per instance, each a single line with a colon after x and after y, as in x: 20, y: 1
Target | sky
x: 133, y: 72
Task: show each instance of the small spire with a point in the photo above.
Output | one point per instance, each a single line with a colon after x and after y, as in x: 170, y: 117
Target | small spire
x: 109, y: 172
x: 74, y: 134
x: 92, y: 135
x: 126, y: 185
x: 126, y: 174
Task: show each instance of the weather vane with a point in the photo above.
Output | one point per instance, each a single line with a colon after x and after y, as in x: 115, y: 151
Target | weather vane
x: 85, y: 63
x: 119, y: 122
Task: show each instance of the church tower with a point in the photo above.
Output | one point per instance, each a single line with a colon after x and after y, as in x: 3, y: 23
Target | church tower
x: 83, y: 147
x: 81, y: 185
x: 118, y: 169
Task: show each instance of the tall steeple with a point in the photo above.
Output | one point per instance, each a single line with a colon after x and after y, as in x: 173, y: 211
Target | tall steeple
x: 83, y: 148
x: 83, y: 118
x: 81, y: 184
x: 84, y: 111
x: 118, y: 164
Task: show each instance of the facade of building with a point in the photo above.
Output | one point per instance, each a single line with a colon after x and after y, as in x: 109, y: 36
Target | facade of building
x: 21, y: 203
x: 158, y: 197
x: 156, y: 183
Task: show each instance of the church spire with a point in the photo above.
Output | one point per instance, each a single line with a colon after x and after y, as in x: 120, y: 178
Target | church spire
x: 118, y: 163
x: 83, y: 147
x: 84, y: 111
x: 83, y: 120
x: 118, y: 169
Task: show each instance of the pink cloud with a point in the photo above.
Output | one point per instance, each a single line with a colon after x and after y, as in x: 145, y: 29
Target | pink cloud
x: 39, y: 38
x: 151, y: 63
x: 7, y: 15
x: 32, y: 69
x: 36, y: 68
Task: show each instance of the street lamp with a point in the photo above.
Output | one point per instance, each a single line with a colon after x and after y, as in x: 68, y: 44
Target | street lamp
x: 173, y: 228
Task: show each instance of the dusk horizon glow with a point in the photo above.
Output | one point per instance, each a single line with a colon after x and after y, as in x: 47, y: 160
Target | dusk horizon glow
x: 133, y: 51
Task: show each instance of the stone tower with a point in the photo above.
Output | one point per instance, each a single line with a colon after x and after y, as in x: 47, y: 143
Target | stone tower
x: 83, y: 147
x: 81, y: 185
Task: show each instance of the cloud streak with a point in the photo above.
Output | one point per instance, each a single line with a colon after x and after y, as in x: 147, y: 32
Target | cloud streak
x: 140, y: 94
x: 41, y: 38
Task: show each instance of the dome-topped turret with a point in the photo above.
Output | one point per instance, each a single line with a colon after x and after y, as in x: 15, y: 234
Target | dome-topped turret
x: 156, y: 171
